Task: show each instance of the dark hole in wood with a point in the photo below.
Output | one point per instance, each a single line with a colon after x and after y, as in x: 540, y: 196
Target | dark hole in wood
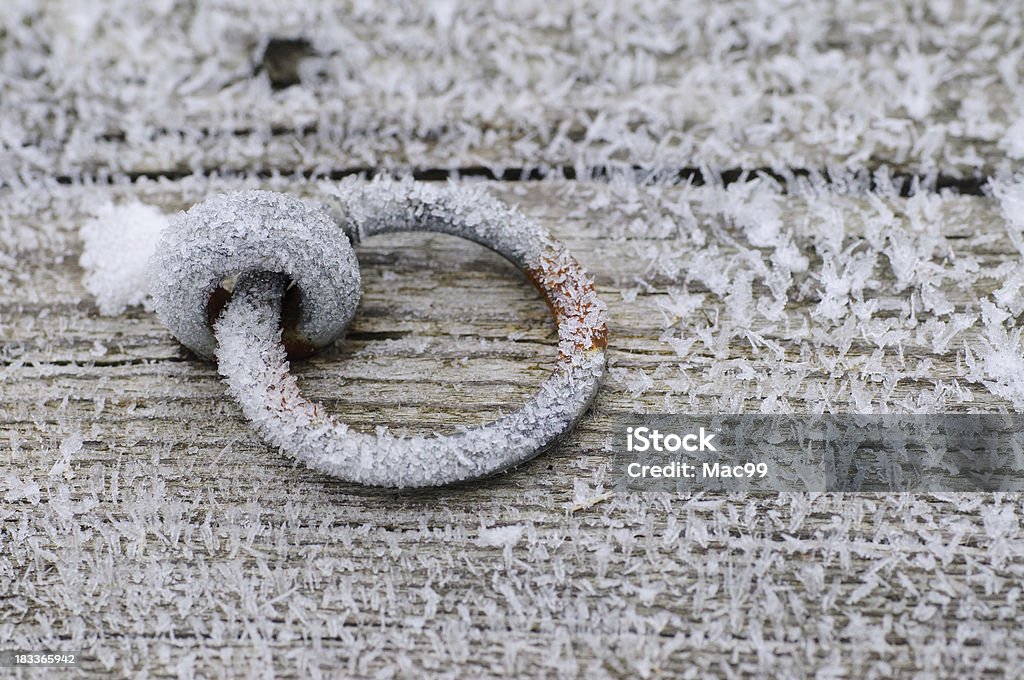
x: 281, y: 61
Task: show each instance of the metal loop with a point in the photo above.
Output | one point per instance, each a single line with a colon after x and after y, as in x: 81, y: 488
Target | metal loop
x: 252, y: 359
x: 233, y: 234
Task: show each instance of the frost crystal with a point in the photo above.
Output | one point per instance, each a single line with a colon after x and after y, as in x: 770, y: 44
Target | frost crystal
x: 232, y: 234
x: 116, y: 246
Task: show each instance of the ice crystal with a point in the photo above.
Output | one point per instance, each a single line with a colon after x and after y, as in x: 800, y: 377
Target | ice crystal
x: 116, y: 246
x: 170, y: 85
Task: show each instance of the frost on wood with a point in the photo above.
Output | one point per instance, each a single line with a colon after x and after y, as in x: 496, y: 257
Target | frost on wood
x: 531, y: 84
x: 116, y: 245
x: 251, y: 357
x: 893, y: 288
x: 804, y: 297
x: 205, y: 550
x: 202, y: 553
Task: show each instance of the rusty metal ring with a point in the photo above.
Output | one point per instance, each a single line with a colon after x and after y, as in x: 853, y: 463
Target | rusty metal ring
x: 231, y: 234
x: 253, y: 360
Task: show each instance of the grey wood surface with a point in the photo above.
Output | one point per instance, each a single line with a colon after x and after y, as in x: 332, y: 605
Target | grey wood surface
x: 165, y: 540
x: 142, y: 522
x: 187, y: 86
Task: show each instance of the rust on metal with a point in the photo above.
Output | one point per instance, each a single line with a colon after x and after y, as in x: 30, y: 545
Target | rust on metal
x: 296, y: 344
x: 570, y: 294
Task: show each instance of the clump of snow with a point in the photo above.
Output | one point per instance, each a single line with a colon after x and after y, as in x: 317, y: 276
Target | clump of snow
x: 18, y: 489
x: 1012, y: 141
x: 998, y: 362
x: 116, y: 246
x: 71, y: 445
x: 500, y: 536
x: 1010, y: 194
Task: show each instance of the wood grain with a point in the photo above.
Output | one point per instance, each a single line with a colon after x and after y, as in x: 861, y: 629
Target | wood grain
x: 229, y: 87
x: 175, y: 544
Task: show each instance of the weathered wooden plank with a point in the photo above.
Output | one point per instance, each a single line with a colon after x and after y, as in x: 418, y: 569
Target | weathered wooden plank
x: 144, y: 522
x: 666, y: 85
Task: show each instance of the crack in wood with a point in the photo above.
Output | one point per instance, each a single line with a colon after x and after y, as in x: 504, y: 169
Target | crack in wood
x: 866, y: 178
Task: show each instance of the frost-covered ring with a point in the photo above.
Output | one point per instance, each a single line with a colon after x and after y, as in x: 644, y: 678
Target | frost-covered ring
x: 232, y: 234
x: 252, y: 358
